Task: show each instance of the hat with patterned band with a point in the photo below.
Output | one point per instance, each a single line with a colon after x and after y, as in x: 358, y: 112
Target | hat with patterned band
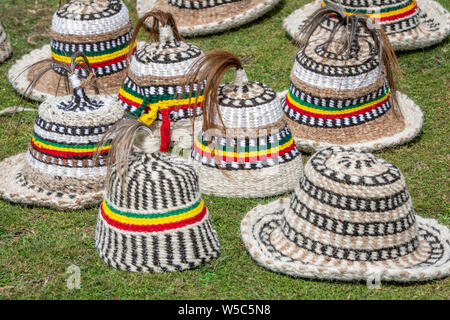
x: 350, y: 218
x: 199, y: 17
x: 101, y: 29
x: 344, y: 92
x: 245, y: 148
x: 152, y: 218
x: 409, y: 24
x: 5, y: 45
x: 155, y: 88
x: 58, y: 169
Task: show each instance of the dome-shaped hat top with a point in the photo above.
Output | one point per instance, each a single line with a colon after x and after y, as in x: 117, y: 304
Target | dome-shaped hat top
x: 153, y: 218
x: 101, y: 29
x: 66, y: 133
x: 350, y: 217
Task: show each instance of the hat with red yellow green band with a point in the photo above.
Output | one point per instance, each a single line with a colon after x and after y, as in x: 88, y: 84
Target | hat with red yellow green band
x: 58, y: 170
x: 101, y: 29
x: 152, y: 218
x: 155, y: 89
x: 409, y: 24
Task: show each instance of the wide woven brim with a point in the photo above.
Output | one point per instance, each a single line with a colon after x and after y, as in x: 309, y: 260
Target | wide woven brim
x: 5, y: 50
x: 419, y: 37
x: 413, y: 123
x: 164, y: 251
x: 211, y: 21
x: 17, y: 191
x: 18, y: 76
x: 258, y: 183
x: 262, y: 236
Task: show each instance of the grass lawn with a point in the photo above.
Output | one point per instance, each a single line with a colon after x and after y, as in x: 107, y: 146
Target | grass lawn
x: 37, y: 244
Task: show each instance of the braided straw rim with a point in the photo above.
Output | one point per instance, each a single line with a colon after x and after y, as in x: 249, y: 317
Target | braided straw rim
x: 252, y: 13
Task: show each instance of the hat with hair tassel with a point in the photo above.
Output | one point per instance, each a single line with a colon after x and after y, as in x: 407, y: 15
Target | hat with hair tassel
x: 58, y: 169
x: 152, y: 218
x: 350, y: 218
x: 200, y: 17
x: 245, y: 148
x: 156, y: 89
x: 343, y: 88
x: 409, y: 24
x: 5, y: 45
x: 101, y: 29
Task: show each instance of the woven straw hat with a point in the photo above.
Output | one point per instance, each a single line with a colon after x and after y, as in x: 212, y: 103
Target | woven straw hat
x: 152, y: 218
x: 101, y: 29
x: 245, y: 148
x: 200, y: 17
x: 58, y: 169
x: 5, y: 45
x: 341, y: 96
x: 350, y: 218
x: 410, y: 24
x: 156, y: 87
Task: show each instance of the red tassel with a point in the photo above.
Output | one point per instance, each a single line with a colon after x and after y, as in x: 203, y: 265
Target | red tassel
x: 165, y: 131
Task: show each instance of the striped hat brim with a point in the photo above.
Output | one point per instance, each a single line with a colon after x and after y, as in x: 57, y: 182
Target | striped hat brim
x: 210, y: 21
x: 417, y: 38
x: 269, y: 247
x: 413, y: 123
x: 14, y: 188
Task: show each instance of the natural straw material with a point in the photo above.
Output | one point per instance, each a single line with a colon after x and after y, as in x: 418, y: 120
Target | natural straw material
x: 350, y: 218
x: 101, y: 29
x: 58, y: 169
x: 343, y: 89
x: 198, y: 17
x: 245, y: 148
x: 152, y: 218
x: 410, y: 24
x: 5, y: 45
x: 156, y: 86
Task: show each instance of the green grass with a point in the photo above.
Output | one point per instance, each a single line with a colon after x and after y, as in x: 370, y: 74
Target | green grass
x: 37, y: 245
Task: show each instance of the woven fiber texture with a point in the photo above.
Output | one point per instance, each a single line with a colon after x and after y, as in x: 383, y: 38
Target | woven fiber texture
x: 255, y: 155
x: 410, y: 24
x: 101, y: 29
x: 157, y: 222
x: 156, y: 86
x: 58, y: 170
x: 339, y: 98
x: 205, y: 17
x: 350, y: 218
x: 5, y: 45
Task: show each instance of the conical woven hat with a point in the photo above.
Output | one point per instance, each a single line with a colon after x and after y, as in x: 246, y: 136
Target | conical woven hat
x: 350, y: 218
x: 152, y: 218
x: 410, y: 24
x: 156, y: 86
x: 101, y: 29
x: 199, y: 17
x: 345, y: 98
x: 252, y: 153
x: 58, y: 169
x: 5, y: 45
